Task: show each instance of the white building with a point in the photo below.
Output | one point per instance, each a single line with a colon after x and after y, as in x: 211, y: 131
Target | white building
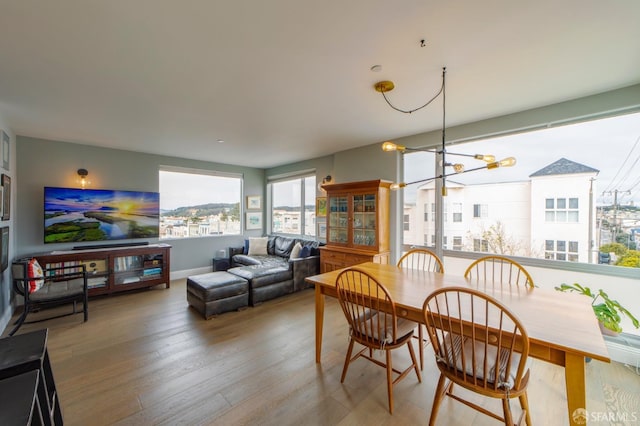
x: 551, y: 215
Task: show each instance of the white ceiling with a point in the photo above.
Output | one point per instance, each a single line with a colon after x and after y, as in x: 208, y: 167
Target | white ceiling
x: 286, y: 80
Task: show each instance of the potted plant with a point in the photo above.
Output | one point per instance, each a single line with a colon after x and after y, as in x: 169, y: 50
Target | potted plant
x: 607, y: 311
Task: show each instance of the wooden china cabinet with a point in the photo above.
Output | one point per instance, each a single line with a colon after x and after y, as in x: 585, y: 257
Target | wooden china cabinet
x: 357, y: 224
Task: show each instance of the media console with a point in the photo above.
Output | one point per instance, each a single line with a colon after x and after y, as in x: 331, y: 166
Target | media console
x: 114, y: 268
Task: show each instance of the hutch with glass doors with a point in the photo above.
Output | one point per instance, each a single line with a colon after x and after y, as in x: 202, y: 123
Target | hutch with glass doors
x: 116, y: 269
x: 357, y: 224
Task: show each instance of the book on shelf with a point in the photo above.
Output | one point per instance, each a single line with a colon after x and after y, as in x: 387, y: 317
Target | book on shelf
x: 96, y: 282
x: 126, y: 263
x: 152, y: 271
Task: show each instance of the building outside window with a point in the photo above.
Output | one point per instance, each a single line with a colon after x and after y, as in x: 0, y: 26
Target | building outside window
x: 589, y: 198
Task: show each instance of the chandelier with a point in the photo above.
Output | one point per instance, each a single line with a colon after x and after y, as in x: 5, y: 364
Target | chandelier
x: 386, y: 86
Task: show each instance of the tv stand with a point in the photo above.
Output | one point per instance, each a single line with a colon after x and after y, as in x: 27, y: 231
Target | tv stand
x: 116, y: 268
x: 103, y: 246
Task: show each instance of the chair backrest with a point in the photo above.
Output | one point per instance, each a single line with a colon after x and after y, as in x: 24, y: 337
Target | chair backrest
x: 368, y: 307
x: 499, y: 269
x: 477, y: 341
x: 421, y: 259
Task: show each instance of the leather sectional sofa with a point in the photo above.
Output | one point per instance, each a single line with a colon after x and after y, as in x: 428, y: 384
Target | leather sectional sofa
x: 275, y: 273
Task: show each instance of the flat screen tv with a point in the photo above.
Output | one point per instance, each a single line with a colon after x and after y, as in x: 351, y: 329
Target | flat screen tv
x: 74, y: 214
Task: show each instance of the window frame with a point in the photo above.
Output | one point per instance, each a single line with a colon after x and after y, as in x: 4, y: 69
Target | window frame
x: 302, y: 224
x: 205, y: 173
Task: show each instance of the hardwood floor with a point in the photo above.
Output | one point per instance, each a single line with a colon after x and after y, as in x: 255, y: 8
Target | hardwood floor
x: 146, y: 358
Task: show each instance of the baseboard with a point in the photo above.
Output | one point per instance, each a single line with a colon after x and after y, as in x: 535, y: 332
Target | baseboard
x: 177, y: 275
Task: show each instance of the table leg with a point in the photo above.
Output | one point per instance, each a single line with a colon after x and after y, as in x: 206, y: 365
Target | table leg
x: 319, y: 321
x: 576, y: 388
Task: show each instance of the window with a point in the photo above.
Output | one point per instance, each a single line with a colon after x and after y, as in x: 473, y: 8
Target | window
x: 426, y: 214
x: 558, y: 210
x: 480, y: 245
x: 480, y: 210
x: 293, y: 206
x: 588, y: 199
x: 199, y: 203
x: 457, y: 243
x: 561, y: 250
x: 406, y: 222
x: 457, y: 212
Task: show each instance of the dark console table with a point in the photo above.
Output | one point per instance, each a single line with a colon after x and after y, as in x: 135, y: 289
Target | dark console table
x: 24, y: 353
x: 19, y: 404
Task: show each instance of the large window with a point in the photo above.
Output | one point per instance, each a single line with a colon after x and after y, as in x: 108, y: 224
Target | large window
x: 199, y: 203
x: 293, y: 206
x: 572, y: 193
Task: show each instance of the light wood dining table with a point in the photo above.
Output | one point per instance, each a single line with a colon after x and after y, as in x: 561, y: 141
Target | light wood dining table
x: 562, y: 327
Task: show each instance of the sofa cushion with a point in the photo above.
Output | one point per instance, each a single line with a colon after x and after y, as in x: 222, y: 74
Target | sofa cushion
x: 258, y: 246
x: 283, y: 246
x: 313, y: 246
x: 295, y: 251
x: 305, y: 252
x: 36, y: 276
x: 243, y: 259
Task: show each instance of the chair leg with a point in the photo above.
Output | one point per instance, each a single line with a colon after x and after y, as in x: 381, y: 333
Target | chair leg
x: 390, y: 380
x: 85, y: 307
x: 421, y: 348
x: 19, y: 321
x: 413, y: 359
x: 506, y: 408
x: 346, y: 361
x: 524, y: 403
x: 437, y: 399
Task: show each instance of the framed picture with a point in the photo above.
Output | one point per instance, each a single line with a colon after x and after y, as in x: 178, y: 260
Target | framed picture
x: 6, y: 197
x: 254, y: 220
x: 321, y: 229
x: 4, y: 248
x: 254, y: 202
x: 321, y: 207
x: 6, y: 145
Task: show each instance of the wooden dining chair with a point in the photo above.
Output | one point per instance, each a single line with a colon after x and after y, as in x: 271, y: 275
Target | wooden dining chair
x: 498, y: 269
x: 424, y: 260
x: 480, y: 345
x: 373, y: 323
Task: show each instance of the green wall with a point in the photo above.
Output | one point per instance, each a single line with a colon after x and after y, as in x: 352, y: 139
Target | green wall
x: 52, y: 163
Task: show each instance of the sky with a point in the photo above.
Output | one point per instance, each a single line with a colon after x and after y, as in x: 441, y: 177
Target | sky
x: 188, y: 189
x: 610, y: 145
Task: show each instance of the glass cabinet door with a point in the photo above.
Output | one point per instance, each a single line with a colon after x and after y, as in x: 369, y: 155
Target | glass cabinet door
x: 364, y: 219
x: 338, y: 220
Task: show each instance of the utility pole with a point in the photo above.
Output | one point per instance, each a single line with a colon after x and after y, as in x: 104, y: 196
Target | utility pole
x: 615, y: 210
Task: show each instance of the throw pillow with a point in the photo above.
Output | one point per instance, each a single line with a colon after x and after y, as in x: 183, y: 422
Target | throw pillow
x: 34, y: 270
x: 305, y: 252
x: 295, y: 251
x: 246, y: 247
x: 258, y: 246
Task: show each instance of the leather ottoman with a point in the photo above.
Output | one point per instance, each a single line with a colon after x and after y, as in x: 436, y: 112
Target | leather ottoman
x: 217, y: 292
x: 265, y: 282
